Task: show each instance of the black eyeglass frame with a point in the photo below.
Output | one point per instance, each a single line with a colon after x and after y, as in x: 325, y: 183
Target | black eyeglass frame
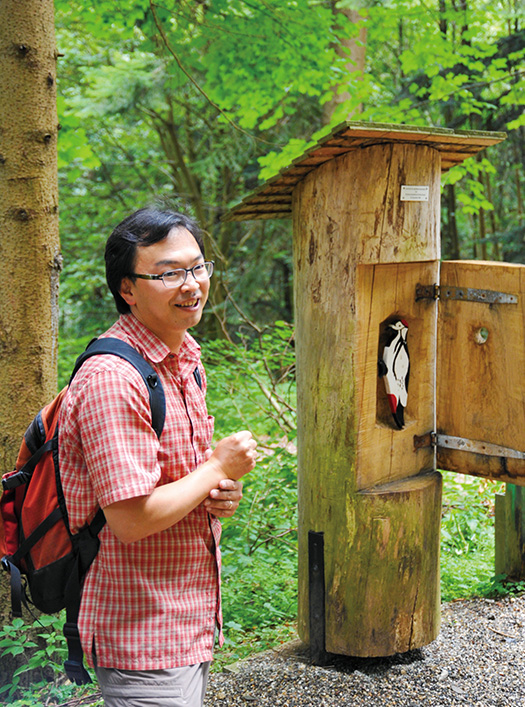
x: 208, y: 266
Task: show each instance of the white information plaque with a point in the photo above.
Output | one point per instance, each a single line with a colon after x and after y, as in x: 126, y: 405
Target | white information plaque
x: 411, y: 193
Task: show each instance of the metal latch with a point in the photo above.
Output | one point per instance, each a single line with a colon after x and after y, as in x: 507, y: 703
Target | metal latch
x: 467, y: 294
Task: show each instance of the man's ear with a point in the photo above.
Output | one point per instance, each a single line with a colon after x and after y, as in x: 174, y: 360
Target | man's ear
x: 126, y: 291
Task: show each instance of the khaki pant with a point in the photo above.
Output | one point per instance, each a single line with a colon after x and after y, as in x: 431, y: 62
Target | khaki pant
x: 174, y: 687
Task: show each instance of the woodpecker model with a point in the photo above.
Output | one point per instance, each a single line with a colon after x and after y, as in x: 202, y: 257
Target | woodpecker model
x: 395, y: 367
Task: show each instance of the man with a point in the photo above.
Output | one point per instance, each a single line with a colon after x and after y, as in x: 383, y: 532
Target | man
x: 151, y: 600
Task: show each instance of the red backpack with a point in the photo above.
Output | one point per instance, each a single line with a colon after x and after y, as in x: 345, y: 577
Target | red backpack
x: 35, y: 539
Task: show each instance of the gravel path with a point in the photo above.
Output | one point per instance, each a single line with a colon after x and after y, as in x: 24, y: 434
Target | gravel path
x: 477, y: 660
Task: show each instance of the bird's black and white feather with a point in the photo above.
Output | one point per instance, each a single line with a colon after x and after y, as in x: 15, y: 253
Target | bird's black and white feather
x: 395, y: 367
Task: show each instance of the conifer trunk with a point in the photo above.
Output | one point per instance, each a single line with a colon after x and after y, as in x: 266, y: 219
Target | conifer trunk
x: 29, y: 244
x: 354, y: 49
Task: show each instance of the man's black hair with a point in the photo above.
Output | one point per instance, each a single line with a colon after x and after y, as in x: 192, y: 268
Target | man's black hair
x: 142, y: 228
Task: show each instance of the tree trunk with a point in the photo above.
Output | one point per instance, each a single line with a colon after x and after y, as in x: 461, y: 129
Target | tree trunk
x: 496, y: 252
x: 29, y: 248
x: 451, y: 228
x: 355, y: 49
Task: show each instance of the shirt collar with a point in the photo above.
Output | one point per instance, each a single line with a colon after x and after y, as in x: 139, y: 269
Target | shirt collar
x: 151, y: 346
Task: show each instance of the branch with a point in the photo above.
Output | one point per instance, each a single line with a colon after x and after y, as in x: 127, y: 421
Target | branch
x: 221, y: 320
x: 214, y: 27
x: 244, y: 316
x: 132, y: 161
x: 264, y: 540
x: 190, y: 77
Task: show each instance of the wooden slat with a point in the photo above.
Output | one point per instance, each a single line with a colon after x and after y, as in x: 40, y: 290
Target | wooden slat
x: 281, y: 189
x: 271, y: 198
x: 340, y: 141
x: 327, y: 152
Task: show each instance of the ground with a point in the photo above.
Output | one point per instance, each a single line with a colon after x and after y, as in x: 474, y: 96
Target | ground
x: 478, y: 660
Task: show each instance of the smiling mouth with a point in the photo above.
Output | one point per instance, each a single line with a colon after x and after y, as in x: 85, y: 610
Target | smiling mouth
x: 190, y: 304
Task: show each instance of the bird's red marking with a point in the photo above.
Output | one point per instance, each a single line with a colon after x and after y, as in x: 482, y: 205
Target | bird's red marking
x: 393, y: 402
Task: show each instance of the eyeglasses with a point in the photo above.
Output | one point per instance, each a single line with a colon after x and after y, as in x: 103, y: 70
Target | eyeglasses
x: 177, y: 278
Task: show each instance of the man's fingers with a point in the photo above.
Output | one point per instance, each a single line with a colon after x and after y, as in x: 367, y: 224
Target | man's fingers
x: 221, y: 509
x: 230, y: 485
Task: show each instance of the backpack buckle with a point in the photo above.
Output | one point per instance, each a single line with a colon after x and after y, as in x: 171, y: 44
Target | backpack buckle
x: 73, y: 666
x: 76, y: 672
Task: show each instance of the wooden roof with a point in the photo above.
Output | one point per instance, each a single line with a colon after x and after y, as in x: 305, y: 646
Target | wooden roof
x: 274, y: 198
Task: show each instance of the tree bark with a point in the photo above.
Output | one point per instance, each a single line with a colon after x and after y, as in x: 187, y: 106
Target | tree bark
x: 29, y: 249
x: 355, y: 49
x: 451, y: 227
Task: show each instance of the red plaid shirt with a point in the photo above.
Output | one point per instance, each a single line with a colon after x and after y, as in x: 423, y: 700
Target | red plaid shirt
x: 153, y: 603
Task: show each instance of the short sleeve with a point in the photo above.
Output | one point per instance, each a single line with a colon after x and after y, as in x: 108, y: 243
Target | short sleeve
x: 118, y: 443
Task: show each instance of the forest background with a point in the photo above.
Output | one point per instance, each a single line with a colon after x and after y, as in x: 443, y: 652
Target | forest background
x: 194, y: 103
x: 190, y: 104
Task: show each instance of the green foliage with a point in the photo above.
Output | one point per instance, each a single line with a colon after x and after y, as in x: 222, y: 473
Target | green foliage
x: 259, y: 547
x: 69, y: 350
x: 251, y: 383
x: 282, y: 49
x: 163, y: 103
x: 471, y: 196
x: 45, y: 656
x: 188, y: 104
x: 500, y: 585
x: 467, y: 514
x: 467, y: 537
x: 458, y: 66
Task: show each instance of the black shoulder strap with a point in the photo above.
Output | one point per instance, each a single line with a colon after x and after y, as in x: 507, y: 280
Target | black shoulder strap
x: 117, y: 347
x: 88, y: 544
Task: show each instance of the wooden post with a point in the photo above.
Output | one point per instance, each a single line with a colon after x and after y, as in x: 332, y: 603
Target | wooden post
x: 510, y: 532
x: 359, y: 254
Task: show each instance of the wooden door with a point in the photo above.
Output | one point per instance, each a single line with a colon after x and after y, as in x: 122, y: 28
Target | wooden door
x: 386, y: 292
x: 481, y: 370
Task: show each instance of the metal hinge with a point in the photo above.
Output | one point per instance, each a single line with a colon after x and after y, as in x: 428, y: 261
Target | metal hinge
x: 427, y: 291
x: 428, y: 440
x: 432, y: 439
x: 467, y: 294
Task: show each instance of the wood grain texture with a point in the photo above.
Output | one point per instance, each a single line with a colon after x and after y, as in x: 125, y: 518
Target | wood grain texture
x: 384, y: 293
x: 481, y: 386
x: 348, y: 217
x: 385, y: 587
x: 510, y: 532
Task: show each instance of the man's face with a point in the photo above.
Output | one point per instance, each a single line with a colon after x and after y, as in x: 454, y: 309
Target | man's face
x: 168, y: 313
